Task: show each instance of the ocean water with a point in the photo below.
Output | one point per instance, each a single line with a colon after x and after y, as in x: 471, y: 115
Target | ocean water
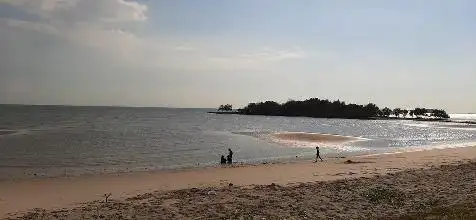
x: 49, y: 141
x: 463, y: 117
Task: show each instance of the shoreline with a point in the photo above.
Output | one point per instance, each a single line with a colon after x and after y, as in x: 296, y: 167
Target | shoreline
x: 17, y: 196
x: 248, y: 163
x: 467, y: 122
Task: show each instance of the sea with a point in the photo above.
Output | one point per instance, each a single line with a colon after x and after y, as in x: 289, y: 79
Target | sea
x: 58, y: 141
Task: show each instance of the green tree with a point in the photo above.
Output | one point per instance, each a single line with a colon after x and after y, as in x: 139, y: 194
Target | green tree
x: 324, y: 108
x: 397, y: 112
x: 420, y: 112
x: 386, y: 111
x: 371, y: 110
x: 404, y: 112
x: 438, y: 113
x: 226, y: 107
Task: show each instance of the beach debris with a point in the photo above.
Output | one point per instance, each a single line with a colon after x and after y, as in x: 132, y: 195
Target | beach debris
x: 106, y: 197
x: 354, y: 162
x: 212, y: 192
x: 273, y: 186
x: 384, y: 194
x: 230, y: 184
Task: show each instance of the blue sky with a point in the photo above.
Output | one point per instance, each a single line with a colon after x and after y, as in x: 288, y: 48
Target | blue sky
x: 205, y: 53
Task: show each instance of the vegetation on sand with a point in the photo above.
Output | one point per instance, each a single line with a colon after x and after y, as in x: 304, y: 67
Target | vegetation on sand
x: 323, y: 108
x: 226, y: 107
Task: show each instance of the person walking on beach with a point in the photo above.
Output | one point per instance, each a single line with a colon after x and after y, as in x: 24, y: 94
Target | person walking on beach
x: 318, y: 154
x: 229, y: 158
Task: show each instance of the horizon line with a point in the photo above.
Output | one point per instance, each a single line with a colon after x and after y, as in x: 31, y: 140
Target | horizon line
x: 126, y: 106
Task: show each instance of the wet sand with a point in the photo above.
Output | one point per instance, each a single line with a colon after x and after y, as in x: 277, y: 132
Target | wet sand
x: 16, y: 197
x: 314, y: 137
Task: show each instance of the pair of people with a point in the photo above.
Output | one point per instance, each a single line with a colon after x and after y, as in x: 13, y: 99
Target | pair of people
x: 229, y: 158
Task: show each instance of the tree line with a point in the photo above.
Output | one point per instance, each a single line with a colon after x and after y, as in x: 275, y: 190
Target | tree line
x: 417, y: 112
x: 226, y: 107
x: 323, y: 108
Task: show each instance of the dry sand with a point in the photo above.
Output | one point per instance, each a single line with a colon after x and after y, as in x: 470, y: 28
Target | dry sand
x: 445, y: 192
x: 314, y: 137
x: 389, y: 195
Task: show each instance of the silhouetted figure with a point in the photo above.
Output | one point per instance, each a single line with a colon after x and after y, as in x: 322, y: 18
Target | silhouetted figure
x: 318, y: 155
x: 222, y: 160
x: 229, y: 158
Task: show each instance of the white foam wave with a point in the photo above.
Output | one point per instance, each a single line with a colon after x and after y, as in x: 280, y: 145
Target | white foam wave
x: 335, y: 146
x: 424, y: 148
x: 13, y: 132
x: 315, y: 137
x: 468, y: 117
x: 419, y: 125
x: 341, y: 145
x: 446, y: 125
x: 460, y: 128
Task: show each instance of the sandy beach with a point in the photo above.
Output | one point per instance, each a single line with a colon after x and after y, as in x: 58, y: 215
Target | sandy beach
x: 20, y: 197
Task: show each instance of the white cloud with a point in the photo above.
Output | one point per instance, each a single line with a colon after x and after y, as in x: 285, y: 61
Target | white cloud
x: 184, y: 48
x: 84, y: 10
x: 108, y: 11
x: 32, y: 26
x: 40, y: 6
x: 103, y: 25
x: 87, y: 49
x: 271, y: 55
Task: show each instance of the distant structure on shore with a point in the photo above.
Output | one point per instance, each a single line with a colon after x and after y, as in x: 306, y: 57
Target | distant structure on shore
x: 318, y: 108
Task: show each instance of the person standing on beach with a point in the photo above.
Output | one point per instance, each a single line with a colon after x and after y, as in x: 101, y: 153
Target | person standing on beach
x: 229, y: 158
x: 318, y: 154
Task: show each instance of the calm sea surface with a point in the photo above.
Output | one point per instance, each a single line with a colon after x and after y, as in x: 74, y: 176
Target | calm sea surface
x: 44, y: 141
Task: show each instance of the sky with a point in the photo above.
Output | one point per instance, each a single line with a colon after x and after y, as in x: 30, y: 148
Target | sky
x: 395, y: 53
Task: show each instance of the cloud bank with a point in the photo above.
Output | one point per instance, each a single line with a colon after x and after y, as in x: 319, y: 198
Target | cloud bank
x: 161, y: 53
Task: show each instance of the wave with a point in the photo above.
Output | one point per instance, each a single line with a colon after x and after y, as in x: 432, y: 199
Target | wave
x: 423, y: 148
x: 314, y: 137
x: 418, y: 125
x: 311, y: 140
x: 13, y: 132
x: 7, y: 132
x: 469, y: 117
x: 445, y: 125
x: 252, y: 133
x: 459, y: 127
